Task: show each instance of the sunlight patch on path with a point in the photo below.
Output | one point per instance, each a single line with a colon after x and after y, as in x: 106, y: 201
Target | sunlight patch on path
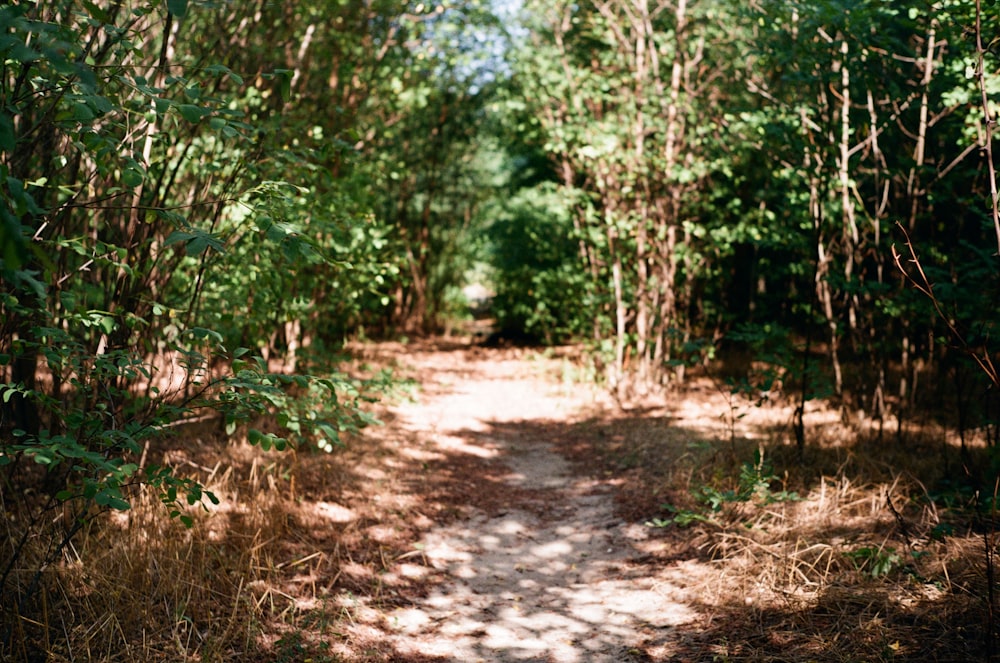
x: 519, y: 587
x: 550, y: 579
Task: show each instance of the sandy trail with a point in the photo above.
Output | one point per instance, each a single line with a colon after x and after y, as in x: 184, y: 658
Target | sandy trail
x: 548, y: 574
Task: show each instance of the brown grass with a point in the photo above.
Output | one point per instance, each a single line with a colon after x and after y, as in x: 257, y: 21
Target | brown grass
x: 799, y: 580
x: 308, y: 552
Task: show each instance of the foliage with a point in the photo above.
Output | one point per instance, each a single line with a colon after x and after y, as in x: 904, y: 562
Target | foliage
x: 611, y: 89
x: 875, y: 562
x: 753, y: 485
x: 182, y: 236
x: 541, y: 283
x: 201, y: 201
x: 757, y: 184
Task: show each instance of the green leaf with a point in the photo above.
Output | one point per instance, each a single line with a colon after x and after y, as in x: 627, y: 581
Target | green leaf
x: 82, y: 113
x: 177, y: 7
x: 111, y: 497
x: 192, y: 113
x: 284, y: 77
x: 14, y: 48
x: 177, y: 236
x: 97, y: 12
x: 196, y: 241
x: 221, y: 69
x: 106, y: 323
x: 132, y: 177
x: 44, y: 457
x: 329, y: 431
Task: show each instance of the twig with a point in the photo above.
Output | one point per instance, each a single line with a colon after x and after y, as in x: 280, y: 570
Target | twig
x: 923, y: 285
x: 903, y: 529
x: 988, y: 120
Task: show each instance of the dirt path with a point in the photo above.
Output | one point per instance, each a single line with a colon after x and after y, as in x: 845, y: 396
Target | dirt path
x: 541, y: 569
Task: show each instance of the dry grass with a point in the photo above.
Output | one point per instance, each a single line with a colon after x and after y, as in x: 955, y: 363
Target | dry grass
x: 302, y: 559
x: 308, y: 552
x: 138, y: 586
x: 835, y: 574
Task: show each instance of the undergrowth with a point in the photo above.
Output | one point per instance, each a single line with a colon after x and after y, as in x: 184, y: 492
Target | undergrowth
x: 862, y: 549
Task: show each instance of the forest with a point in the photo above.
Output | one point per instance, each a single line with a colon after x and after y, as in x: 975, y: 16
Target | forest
x: 214, y: 214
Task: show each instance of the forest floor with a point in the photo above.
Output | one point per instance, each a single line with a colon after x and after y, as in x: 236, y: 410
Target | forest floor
x: 501, y: 514
x: 538, y: 565
x: 505, y: 511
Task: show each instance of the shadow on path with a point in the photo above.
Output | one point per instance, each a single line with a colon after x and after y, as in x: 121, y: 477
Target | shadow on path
x: 543, y: 569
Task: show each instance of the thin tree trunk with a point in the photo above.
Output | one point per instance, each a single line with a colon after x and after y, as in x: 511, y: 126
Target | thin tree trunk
x: 617, y: 377
x: 667, y: 257
x: 850, y: 231
x: 643, y: 291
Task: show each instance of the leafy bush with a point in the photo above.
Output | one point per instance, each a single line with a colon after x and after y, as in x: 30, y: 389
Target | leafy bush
x: 875, y: 562
x: 135, y: 180
x: 542, y: 288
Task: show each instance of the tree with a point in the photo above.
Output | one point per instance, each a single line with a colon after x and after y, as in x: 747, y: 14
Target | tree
x: 158, y: 166
x: 615, y: 87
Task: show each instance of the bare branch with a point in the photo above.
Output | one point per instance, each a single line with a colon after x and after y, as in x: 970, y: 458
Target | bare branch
x: 925, y: 287
x: 988, y: 120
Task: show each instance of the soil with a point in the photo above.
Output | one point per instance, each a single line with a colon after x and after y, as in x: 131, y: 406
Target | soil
x: 535, y: 564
